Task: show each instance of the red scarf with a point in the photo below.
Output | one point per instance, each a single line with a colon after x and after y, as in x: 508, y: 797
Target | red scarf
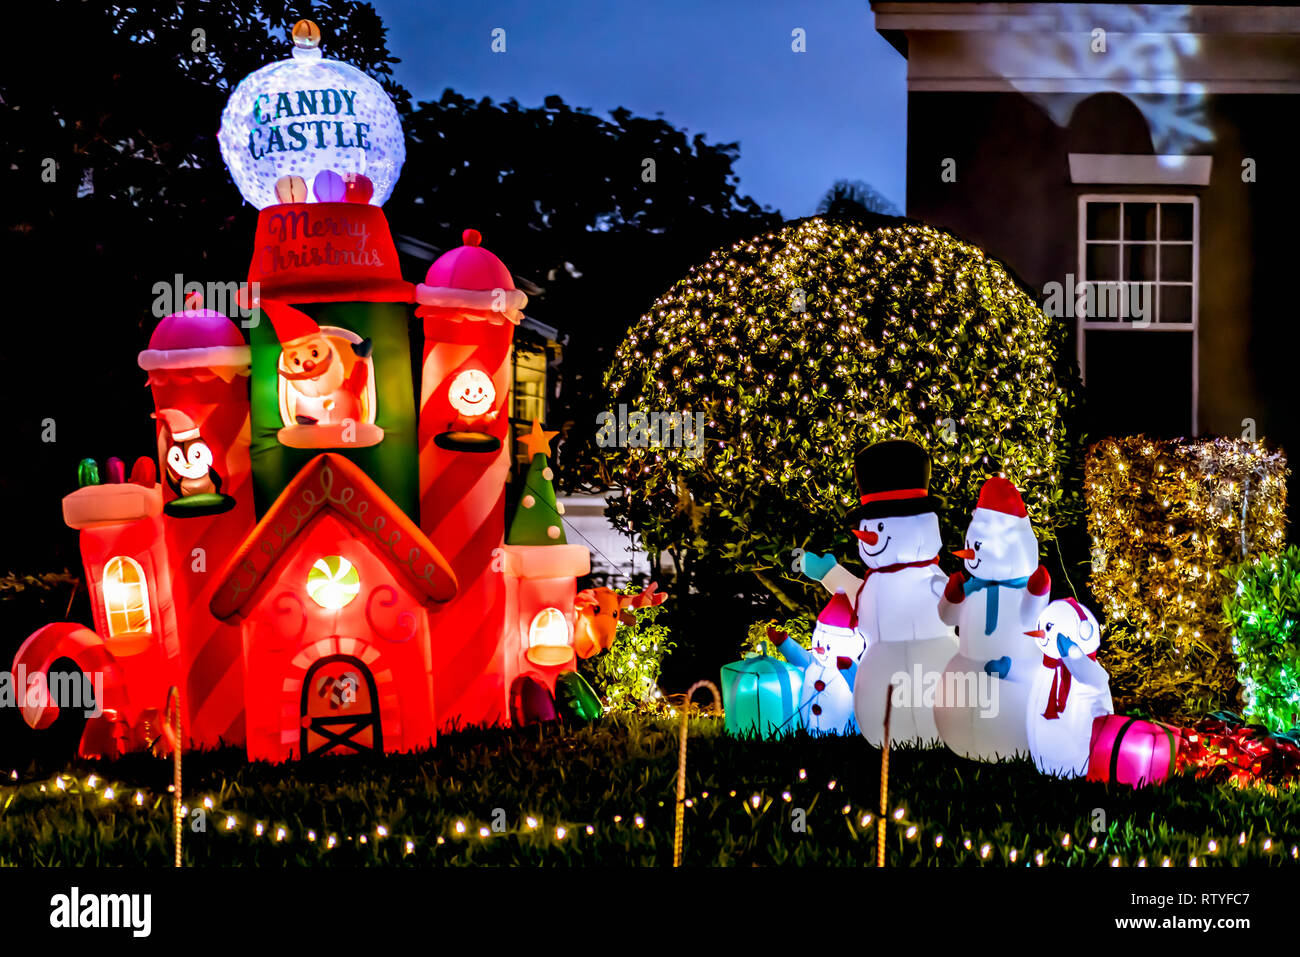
x: 899, y: 567
x: 1060, y: 692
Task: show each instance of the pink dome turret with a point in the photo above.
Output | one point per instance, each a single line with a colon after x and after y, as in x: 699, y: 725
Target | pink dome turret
x: 195, y: 338
x: 469, y: 282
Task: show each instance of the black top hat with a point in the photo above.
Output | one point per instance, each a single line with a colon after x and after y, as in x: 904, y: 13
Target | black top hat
x: 893, y: 479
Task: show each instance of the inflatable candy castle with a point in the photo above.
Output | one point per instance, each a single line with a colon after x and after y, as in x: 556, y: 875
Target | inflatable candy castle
x: 317, y: 563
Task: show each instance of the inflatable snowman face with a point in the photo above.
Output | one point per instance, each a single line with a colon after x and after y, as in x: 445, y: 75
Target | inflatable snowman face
x: 1004, y: 546
x: 1077, y: 623
x: 830, y: 642
x: 907, y: 538
x: 472, y: 393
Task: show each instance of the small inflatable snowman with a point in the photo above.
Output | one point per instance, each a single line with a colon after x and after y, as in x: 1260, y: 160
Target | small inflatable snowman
x: 985, y: 690
x: 1069, y: 691
x: 829, y: 669
x: 896, y: 604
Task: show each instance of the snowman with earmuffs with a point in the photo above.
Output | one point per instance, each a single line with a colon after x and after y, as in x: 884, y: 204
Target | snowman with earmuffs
x: 985, y: 689
x: 896, y: 524
x: 1070, y: 691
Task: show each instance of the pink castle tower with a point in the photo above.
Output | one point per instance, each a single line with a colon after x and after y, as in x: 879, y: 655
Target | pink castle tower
x: 198, y: 365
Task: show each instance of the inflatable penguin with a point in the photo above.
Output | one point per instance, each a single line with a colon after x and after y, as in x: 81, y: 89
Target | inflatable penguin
x: 1069, y: 691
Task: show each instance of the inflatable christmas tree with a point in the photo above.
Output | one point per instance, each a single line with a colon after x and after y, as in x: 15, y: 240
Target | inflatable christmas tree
x: 537, y: 519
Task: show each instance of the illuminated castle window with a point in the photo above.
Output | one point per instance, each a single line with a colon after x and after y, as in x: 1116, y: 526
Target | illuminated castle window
x: 126, y: 597
x: 548, y: 638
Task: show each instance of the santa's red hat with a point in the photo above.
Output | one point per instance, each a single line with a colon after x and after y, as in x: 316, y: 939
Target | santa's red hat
x: 179, y: 425
x: 1001, y: 495
x: 289, y: 323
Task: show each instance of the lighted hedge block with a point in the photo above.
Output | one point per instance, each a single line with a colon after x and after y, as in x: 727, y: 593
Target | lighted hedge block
x: 1166, y: 518
x: 759, y: 695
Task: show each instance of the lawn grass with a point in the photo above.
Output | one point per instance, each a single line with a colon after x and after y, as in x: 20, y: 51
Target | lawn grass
x: 618, y: 777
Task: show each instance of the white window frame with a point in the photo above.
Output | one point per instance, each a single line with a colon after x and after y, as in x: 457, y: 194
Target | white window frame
x: 1082, y: 325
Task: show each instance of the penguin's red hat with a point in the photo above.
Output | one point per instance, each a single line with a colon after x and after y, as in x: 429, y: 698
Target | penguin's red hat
x: 179, y: 425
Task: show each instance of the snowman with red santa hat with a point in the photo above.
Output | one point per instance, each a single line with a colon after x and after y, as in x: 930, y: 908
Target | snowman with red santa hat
x: 896, y: 602
x: 980, y: 712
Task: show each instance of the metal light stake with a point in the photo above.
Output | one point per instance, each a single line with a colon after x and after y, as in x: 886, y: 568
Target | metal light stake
x: 681, y: 767
x: 884, y: 782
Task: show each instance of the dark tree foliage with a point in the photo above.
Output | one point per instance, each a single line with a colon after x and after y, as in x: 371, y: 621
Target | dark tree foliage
x: 570, y: 202
x: 123, y: 104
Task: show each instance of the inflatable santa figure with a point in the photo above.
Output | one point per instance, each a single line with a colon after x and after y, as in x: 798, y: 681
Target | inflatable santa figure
x: 1069, y: 691
x: 980, y: 711
x: 326, y: 386
x: 896, y: 604
x: 829, y: 669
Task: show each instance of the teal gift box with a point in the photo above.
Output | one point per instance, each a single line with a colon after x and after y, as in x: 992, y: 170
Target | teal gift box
x: 759, y: 695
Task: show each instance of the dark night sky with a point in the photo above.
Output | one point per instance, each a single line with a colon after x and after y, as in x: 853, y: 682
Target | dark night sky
x: 724, y: 68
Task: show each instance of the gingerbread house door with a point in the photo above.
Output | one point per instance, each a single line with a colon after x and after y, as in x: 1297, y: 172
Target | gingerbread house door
x: 340, y: 708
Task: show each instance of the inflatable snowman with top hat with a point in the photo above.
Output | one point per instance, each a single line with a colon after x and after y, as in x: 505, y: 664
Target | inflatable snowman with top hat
x: 829, y: 669
x: 981, y: 702
x: 1069, y: 691
x: 896, y: 603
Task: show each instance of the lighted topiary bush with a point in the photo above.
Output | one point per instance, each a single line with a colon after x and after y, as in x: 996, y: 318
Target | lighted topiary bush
x: 1263, y: 613
x: 802, y: 344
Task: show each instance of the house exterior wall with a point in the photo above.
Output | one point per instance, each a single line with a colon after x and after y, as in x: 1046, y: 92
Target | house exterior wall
x: 1009, y: 91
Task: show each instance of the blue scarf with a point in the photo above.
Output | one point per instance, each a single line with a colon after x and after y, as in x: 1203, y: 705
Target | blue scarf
x: 974, y: 584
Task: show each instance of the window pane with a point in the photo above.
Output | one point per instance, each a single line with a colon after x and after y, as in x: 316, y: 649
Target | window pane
x: 1103, y: 221
x: 1176, y: 221
x: 1105, y: 302
x: 1139, y: 221
x: 1102, y: 261
x: 1175, y: 304
x: 1140, y: 263
x: 1176, y: 263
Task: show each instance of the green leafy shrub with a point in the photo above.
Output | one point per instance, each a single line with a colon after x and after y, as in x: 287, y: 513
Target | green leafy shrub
x: 627, y: 674
x: 800, y: 628
x: 1264, y: 615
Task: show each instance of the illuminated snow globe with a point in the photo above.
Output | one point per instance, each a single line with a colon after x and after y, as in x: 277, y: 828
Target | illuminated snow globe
x: 308, y: 129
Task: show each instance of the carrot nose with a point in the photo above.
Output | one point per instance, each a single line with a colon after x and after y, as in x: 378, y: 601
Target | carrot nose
x: 869, y: 537
x: 964, y: 553
x: 1036, y: 633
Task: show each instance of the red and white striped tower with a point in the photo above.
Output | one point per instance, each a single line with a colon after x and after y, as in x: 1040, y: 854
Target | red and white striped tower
x: 198, y: 368
x: 470, y: 306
